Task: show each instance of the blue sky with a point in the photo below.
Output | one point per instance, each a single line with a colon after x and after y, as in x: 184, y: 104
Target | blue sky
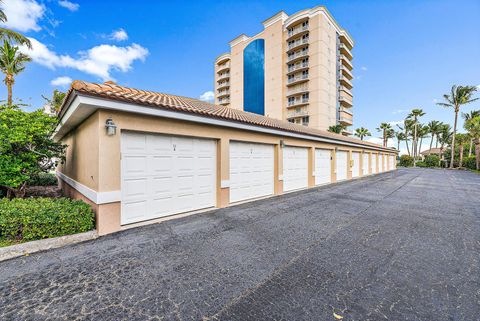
x: 406, y: 55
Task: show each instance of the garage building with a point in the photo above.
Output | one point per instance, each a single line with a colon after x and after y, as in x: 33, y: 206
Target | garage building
x: 139, y: 156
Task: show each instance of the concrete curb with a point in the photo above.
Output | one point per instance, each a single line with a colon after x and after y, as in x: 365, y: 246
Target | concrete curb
x: 10, y: 252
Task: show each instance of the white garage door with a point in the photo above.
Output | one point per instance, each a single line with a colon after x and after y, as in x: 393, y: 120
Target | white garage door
x: 251, y: 170
x: 164, y: 175
x: 365, y: 164
x: 384, y: 163
x: 375, y: 163
x: 323, y: 166
x: 391, y: 166
x: 341, y: 165
x: 295, y: 168
x: 356, y: 164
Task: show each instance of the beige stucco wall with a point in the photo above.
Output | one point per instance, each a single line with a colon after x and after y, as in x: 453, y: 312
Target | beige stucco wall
x: 91, y: 153
x: 82, y: 156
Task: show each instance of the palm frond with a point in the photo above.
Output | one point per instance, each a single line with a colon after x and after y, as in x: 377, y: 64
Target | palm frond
x: 15, y: 37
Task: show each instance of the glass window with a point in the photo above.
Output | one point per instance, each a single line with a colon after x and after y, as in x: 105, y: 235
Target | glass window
x: 254, y: 77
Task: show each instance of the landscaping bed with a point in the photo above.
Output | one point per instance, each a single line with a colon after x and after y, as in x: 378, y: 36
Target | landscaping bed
x: 28, y: 219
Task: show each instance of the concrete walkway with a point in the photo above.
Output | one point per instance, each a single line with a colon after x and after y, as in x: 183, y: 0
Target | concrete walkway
x: 403, y: 245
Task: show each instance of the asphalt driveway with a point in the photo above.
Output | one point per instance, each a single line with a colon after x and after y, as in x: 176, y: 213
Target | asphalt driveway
x: 403, y: 245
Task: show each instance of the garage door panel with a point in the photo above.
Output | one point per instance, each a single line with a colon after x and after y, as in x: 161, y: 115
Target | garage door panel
x: 179, y: 175
x: 356, y: 164
x: 134, y: 143
x: 341, y: 165
x: 251, y: 170
x: 323, y: 166
x: 365, y: 164
x: 295, y: 168
x: 375, y: 163
x: 136, y: 211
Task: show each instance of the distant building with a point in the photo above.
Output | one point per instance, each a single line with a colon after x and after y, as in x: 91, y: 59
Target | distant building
x: 298, y: 69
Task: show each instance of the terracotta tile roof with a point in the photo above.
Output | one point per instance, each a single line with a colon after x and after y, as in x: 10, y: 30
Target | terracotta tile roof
x: 113, y: 91
x: 431, y: 151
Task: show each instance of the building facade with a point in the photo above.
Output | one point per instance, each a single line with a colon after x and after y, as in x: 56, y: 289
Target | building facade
x: 299, y: 69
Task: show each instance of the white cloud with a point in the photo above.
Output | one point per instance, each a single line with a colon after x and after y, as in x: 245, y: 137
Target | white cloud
x: 207, y: 96
x: 119, y: 35
x: 379, y: 141
x: 63, y: 81
x: 364, y: 68
x: 99, y: 61
x: 400, y: 111
x: 396, y: 122
x: 23, y: 15
x: 478, y: 86
x: 435, y: 100
x: 69, y: 5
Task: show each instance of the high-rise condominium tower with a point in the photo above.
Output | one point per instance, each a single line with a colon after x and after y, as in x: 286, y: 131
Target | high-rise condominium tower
x: 298, y: 68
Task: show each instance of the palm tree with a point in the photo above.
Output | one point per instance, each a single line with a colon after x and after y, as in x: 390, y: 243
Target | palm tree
x: 390, y: 134
x: 414, y: 115
x: 400, y: 135
x: 459, y: 96
x: 362, y: 132
x: 466, y: 117
x: 462, y: 139
x: 56, y: 101
x: 422, y: 133
x: 337, y: 129
x: 473, y: 128
x: 10, y: 35
x: 11, y: 64
x: 444, y: 137
x: 384, y: 128
x: 407, y: 128
x: 433, y: 129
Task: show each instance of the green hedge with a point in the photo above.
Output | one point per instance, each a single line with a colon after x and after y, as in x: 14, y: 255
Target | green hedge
x: 432, y: 160
x: 406, y: 161
x: 43, y: 179
x: 469, y: 162
x: 39, y: 218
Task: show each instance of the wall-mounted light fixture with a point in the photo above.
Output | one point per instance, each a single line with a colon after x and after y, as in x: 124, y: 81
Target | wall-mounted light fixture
x: 110, y: 127
x: 282, y: 143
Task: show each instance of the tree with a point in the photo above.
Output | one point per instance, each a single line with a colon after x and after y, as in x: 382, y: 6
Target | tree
x: 444, y: 137
x: 400, y: 136
x: 459, y: 96
x: 466, y: 117
x: 10, y: 35
x: 26, y: 148
x: 362, y: 132
x: 12, y: 62
x: 56, y: 101
x: 407, y: 129
x: 414, y: 115
x: 462, y: 139
x: 337, y: 129
x: 433, y: 129
x: 422, y: 133
x: 473, y: 127
x: 384, y: 128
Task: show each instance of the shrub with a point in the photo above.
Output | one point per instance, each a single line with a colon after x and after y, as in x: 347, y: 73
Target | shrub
x: 469, y: 162
x: 39, y: 218
x: 406, y: 161
x: 421, y: 164
x: 26, y: 147
x: 43, y: 179
x: 432, y: 160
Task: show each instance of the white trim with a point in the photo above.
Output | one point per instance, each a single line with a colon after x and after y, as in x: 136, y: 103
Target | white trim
x: 92, y: 103
x: 281, y: 16
x: 238, y: 40
x: 96, y: 197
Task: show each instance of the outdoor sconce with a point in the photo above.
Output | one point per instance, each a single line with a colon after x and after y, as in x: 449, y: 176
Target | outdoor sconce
x: 282, y: 143
x: 111, y: 127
